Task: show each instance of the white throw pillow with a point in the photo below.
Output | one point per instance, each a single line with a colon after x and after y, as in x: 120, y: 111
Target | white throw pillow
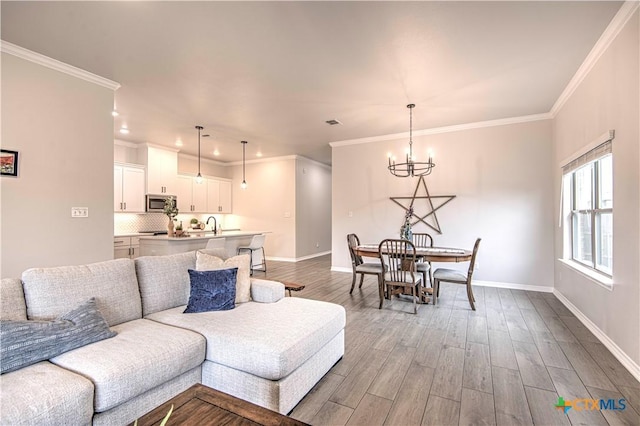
x: 206, y: 262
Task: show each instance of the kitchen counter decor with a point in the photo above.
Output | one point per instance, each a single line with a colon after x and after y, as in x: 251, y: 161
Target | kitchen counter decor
x: 171, y: 210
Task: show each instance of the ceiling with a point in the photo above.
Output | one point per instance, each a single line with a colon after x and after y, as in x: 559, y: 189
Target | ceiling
x: 272, y: 73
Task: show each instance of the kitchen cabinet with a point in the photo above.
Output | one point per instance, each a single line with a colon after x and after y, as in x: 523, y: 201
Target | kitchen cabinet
x: 219, y: 196
x: 126, y: 247
x: 192, y: 196
x: 128, y: 189
x: 162, y: 169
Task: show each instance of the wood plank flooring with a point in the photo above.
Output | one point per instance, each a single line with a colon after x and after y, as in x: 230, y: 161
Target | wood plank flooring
x: 504, y: 364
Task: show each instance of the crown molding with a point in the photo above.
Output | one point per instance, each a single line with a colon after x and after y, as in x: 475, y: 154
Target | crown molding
x: 317, y: 163
x: 263, y: 160
x: 445, y: 129
x: 616, y: 25
x: 54, y: 64
x: 203, y: 159
x: 125, y: 143
x: 152, y: 145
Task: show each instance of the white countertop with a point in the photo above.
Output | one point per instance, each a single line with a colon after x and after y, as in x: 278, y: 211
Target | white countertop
x: 206, y: 236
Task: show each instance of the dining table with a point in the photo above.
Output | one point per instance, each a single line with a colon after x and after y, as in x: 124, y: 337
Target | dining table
x: 427, y: 254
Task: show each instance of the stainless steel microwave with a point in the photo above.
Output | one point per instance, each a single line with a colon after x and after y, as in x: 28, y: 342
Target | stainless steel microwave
x: 155, y: 203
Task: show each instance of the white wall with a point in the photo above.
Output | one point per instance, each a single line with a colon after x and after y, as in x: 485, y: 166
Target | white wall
x: 608, y: 98
x: 502, y: 179
x: 265, y: 204
x: 63, y: 128
x: 313, y: 208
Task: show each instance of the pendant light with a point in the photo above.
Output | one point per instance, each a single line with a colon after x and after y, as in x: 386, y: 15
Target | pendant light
x: 199, y: 177
x: 243, y: 185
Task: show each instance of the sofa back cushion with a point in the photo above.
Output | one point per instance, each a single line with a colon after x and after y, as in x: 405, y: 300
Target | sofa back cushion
x: 12, y: 306
x: 50, y: 292
x: 164, y: 280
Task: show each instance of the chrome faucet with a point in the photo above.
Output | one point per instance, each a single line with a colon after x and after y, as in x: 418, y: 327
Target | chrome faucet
x: 215, y: 224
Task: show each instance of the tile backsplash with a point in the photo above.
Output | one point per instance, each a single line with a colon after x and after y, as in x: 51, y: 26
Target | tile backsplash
x: 131, y: 223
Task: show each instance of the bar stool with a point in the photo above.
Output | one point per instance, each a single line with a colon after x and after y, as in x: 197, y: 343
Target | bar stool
x: 214, y: 243
x: 257, y: 243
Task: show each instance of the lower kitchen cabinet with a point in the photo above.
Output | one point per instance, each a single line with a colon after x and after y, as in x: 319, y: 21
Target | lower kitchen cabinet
x: 126, y: 247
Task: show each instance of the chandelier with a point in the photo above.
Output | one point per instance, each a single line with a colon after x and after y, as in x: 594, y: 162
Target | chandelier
x: 410, y: 167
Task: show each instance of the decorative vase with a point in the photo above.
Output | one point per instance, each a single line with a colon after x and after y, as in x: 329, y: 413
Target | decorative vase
x: 405, y: 232
x: 170, y: 228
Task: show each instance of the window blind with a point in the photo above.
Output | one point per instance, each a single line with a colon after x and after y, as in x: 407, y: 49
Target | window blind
x: 589, y: 156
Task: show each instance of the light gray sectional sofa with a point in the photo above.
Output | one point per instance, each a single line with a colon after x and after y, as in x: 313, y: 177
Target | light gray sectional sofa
x: 269, y: 351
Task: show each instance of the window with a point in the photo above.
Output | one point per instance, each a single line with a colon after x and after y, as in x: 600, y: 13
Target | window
x: 588, y: 206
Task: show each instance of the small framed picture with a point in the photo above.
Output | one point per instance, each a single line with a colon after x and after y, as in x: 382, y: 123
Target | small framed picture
x: 8, y: 162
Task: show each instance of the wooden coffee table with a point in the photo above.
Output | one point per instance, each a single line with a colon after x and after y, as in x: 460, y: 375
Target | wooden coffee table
x: 201, y: 405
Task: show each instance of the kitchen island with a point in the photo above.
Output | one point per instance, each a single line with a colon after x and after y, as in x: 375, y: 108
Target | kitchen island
x: 160, y: 245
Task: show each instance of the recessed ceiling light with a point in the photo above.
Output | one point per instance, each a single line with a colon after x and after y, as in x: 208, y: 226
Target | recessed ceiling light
x: 216, y: 152
x: 178, y: 142
x: 114, y: 113
x: 124, y: 130
x: 333, y: 122
x: 258, y: 154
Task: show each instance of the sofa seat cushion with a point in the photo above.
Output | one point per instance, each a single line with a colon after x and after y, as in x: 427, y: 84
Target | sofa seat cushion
x: 44, y: 394
x: 269, y: 340
x: 143, y: 355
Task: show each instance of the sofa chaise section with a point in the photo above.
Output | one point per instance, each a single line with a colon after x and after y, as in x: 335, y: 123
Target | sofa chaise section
x: 268, y: 353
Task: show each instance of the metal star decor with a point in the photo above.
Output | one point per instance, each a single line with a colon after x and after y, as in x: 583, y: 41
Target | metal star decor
x: 431, y: 211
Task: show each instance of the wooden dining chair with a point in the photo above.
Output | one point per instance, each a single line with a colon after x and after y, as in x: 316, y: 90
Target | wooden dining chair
x: 456, y: 277
x: 401, y: 277
x: 361, y: 267
x: 423, y: 240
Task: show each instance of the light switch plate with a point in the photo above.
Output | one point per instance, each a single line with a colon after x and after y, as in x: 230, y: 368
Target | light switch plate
x: 79, y: 212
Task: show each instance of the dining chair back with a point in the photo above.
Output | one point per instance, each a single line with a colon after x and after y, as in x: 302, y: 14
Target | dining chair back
x: 401, y: 277
x: 457, y: 277
x: 363, y: 268
x: 423, y: 240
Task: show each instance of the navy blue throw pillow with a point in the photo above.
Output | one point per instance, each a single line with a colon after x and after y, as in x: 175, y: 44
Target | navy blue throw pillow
x: 212, y: 290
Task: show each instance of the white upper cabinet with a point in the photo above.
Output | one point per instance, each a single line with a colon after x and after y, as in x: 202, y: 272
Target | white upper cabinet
x: 219, y: 196
x: 162, y: 169
x: 128, y: 189
x: 192, y: 196
x: 210, y: 196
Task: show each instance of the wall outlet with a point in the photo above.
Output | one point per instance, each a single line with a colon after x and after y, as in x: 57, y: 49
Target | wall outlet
x: 350, y: 214
x: 287, y: 214
x: 317, y: 245
x: 79, y: 211
x: 477, y: 266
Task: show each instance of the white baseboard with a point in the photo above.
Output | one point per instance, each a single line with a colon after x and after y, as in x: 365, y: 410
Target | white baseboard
x: 341, y: 269
x: 513, y: 286
x: 624, y: 359
x: 299, y: 259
